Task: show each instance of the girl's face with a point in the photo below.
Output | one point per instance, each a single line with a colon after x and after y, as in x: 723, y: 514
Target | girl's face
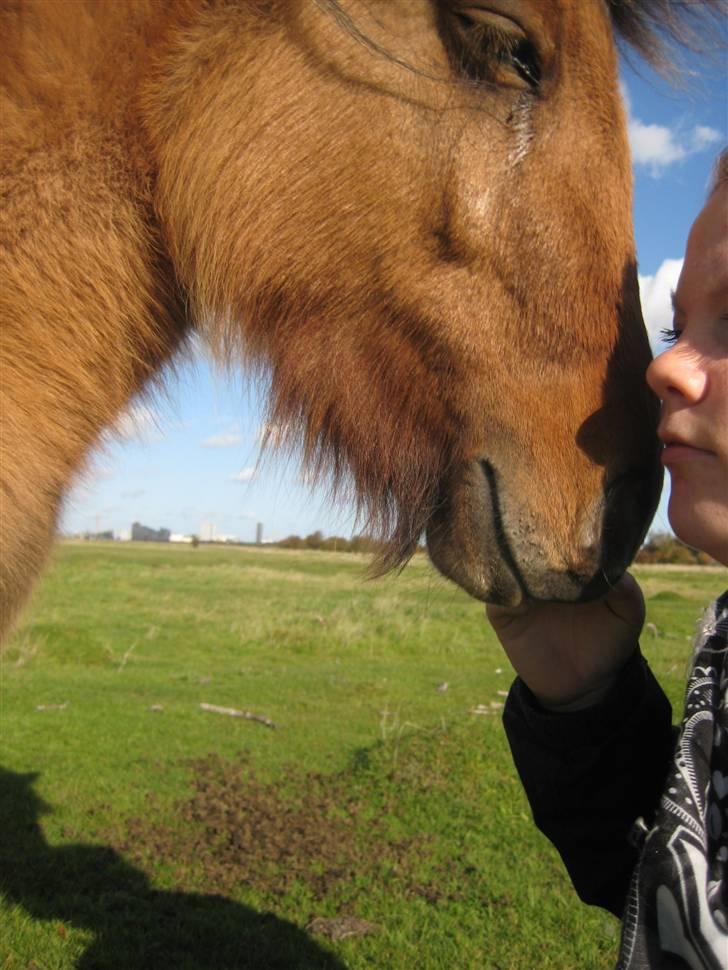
x: 691, y: 379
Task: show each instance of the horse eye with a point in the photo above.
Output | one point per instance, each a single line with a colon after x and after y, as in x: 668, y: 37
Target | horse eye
x: 484, y: 49
x: 525, y: 61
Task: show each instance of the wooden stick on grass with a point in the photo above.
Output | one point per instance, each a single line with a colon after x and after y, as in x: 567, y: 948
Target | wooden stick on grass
x: 232, y: 712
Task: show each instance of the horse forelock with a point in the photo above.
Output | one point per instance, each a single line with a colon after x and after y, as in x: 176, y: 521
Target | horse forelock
x: 645, y: 25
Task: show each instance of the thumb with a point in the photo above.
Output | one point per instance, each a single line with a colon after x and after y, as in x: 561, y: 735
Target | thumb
x: 501, y: 617
x: 626, y: 602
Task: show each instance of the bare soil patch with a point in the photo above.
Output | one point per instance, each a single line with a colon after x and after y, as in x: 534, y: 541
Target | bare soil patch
x: 310, y: 829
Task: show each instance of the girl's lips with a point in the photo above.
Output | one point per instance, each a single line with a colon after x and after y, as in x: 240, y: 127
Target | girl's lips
x: 676, y: 452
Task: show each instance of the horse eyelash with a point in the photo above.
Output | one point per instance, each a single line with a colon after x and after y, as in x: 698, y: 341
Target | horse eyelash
x: 483, y: 47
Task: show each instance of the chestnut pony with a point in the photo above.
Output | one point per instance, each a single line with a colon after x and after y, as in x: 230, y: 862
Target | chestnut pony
x: 413, y: 214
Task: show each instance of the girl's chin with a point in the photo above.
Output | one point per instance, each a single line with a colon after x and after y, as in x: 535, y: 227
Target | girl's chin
x: 701, y: 525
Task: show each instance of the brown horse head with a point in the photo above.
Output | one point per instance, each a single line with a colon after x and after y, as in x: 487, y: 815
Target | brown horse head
x: 417, y: 216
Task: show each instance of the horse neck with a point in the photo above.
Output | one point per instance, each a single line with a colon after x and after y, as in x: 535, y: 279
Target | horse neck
x: 75, y: 69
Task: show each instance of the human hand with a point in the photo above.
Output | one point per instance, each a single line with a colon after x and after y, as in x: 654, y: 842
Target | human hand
x: 569, y: 654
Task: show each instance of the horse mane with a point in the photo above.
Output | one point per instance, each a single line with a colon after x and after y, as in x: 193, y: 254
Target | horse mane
x: 649, y: 27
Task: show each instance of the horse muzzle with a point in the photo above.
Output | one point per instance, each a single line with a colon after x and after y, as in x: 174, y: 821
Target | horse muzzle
x: 488, y: 540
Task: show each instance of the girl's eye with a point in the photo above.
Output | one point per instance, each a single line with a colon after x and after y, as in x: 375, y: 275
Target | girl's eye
x: 670, y: 335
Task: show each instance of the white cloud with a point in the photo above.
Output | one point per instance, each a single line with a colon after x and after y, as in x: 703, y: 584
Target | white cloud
x: 226, y: 439
x: 705, y: 137
x: 653, y: 145
x: 657, y: 146
x: 245, y: 475
x: 655, y: 296
x: 139, y: 422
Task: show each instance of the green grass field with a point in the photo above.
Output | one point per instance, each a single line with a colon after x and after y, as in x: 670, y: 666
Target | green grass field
x: 140, y: 831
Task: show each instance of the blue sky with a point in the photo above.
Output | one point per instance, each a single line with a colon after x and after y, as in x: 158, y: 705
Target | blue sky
x: 189, y: 461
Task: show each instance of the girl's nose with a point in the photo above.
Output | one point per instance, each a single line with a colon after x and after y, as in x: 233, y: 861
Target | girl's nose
x: 677, y: 372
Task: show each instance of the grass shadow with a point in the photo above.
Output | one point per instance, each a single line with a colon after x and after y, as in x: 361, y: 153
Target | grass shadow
x: 135, y: 926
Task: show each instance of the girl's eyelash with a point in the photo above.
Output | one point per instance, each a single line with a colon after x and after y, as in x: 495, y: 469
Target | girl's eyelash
x: 669, y: 335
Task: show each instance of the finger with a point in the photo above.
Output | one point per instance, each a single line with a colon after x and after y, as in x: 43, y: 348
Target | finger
x: 625, y: 600
x: 499, y: 614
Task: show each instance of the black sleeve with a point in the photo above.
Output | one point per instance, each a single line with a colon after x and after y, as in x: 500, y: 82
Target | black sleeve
x: 590, y: 774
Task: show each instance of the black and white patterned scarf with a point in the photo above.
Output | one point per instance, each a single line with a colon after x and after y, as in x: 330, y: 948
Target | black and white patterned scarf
x: 676, y: 916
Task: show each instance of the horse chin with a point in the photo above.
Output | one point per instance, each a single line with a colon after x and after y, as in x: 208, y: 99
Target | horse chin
x: 489, y: 580
x: 469, y: 540
x: 466, y: 544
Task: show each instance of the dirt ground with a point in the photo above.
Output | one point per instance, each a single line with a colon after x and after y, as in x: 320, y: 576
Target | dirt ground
x: 310, y: 829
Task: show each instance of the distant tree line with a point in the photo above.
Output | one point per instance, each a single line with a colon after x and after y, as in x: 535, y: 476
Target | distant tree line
x: 360, y: 543
x: 663, y: 547
x: 142, y: 533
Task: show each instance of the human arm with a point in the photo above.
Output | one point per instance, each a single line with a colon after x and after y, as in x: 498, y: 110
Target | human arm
x: 589, y: 729
x: 589, y: 774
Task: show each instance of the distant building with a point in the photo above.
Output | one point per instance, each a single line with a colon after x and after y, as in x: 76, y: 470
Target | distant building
x: 107, y: 536
x: 142, y: 533
x: 259, y: 534
x: 178, y: 537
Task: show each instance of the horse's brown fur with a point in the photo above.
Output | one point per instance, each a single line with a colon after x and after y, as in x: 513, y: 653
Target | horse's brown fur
x: 250, y: 169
